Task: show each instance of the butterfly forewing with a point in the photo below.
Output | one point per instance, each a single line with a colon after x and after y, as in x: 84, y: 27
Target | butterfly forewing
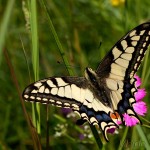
x: 126, y: 55
x: 59, y: 91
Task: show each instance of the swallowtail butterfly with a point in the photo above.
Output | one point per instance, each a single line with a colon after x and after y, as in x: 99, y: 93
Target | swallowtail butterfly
x: 101, y: 96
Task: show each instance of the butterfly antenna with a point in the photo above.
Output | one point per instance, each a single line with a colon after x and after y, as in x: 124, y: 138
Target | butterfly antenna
x: 95, y: 57
x: 72, y: 66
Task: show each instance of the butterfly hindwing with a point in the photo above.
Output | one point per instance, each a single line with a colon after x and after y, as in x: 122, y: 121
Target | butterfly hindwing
x: 100, y: 118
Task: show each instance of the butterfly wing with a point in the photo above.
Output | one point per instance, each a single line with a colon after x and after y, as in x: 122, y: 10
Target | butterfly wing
x: 120, y: 65
x: 60, y: 91
x: 71, y: 92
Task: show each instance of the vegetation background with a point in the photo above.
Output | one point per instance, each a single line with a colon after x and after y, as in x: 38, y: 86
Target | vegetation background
x: 30, y: 50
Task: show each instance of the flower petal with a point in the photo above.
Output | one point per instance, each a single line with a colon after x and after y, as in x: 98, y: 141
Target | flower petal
x: 130, y: 120
x: 140, y: 108
x: 138, y: 82
x: 140, y: 94
x: 119, y: 122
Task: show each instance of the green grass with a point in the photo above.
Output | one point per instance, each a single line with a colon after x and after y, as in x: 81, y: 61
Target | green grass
x: 61, y: 38
x: 5, y: 24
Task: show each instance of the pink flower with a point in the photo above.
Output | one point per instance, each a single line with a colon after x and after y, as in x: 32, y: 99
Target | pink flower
x: 140, y: 94
x: 130, y: 120
x: 138, y: 81
x: 119, y: 122
x: 140, y: 108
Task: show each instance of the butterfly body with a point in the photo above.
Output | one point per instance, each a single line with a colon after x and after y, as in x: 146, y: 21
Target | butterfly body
x: 101, y: 97
x: 97, y: 86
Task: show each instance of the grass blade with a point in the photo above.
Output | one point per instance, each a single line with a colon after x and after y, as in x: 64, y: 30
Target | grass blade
x: 35, y: 60
x: 35, y: 138
x: 62, y: 53
x: 121, y: 145
x: 143, y: 137
x: 66, y: 62
x: 5, y: 23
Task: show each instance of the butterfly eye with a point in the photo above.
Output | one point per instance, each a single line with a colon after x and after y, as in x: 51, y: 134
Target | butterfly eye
x: 93, y: 78
x: 90, y: 75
